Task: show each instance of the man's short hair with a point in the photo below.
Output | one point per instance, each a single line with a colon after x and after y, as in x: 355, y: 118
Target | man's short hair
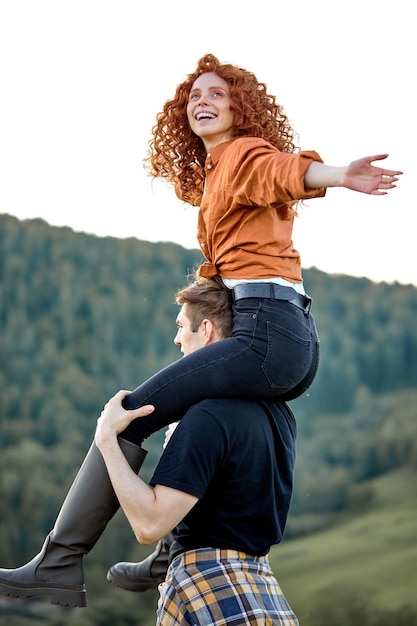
x: 208, y: 298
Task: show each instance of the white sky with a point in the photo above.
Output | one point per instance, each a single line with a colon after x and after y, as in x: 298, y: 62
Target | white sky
x: 82, y: 80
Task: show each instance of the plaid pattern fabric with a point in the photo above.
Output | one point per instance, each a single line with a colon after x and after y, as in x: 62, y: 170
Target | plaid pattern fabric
x: 215, y: 587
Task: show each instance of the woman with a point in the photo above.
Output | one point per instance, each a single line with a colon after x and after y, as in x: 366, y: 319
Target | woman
x: 228, y: 147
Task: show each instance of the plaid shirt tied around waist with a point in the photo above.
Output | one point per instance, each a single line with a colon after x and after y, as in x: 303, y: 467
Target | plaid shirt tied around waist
x: 215, y: 587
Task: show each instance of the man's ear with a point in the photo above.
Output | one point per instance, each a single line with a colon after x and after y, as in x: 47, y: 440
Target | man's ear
x: 209, y: 331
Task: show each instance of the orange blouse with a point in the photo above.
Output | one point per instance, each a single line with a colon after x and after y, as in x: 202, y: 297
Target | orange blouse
x: 246, y: 217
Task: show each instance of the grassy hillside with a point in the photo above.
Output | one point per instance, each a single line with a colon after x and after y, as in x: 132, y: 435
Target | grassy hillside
x: 368, y: 561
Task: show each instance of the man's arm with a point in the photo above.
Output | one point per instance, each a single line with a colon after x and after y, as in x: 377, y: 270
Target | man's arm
x: 151, y: 512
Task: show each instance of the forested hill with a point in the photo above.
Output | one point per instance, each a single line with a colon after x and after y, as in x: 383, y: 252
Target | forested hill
x: 83, y: 316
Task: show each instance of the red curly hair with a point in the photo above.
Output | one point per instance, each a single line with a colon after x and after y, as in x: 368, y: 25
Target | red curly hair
x: 177, y: 155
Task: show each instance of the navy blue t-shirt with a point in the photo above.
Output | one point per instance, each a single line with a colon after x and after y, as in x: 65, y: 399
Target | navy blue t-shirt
x: 237, y: 457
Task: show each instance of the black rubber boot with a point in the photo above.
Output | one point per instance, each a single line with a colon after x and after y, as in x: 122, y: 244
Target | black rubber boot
x: 144, y: 575
x: 56, y: 573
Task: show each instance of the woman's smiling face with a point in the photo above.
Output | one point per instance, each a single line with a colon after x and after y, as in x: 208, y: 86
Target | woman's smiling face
x: 209, y: 110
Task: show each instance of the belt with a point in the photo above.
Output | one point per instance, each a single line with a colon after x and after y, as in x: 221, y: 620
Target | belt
x: 272, y: 291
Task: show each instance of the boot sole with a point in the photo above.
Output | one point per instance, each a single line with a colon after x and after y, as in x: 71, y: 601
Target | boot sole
x: 64, y: 596
x: 138, y: 585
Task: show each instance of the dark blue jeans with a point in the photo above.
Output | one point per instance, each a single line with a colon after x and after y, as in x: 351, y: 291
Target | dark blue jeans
x: 274, y: 352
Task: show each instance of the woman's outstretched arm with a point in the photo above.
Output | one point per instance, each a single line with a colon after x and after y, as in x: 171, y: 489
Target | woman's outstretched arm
x: 359, y: 175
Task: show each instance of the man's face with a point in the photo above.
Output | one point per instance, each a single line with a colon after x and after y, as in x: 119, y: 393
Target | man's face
x: 185, y: 337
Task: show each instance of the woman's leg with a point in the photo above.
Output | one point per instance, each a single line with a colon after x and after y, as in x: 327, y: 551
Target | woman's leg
x: 273, y: 353
x: 56, y: 573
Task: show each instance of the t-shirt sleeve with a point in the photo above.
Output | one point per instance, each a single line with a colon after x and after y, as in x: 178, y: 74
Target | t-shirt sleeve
x: 193, y: 453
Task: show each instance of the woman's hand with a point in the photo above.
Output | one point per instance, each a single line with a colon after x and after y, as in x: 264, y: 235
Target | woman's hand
x: 362, y: 176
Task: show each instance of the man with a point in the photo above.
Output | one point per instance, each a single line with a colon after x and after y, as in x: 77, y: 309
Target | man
x: 222, y: 486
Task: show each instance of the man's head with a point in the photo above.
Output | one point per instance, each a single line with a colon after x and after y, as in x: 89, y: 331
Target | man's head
x: 206, y: 314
